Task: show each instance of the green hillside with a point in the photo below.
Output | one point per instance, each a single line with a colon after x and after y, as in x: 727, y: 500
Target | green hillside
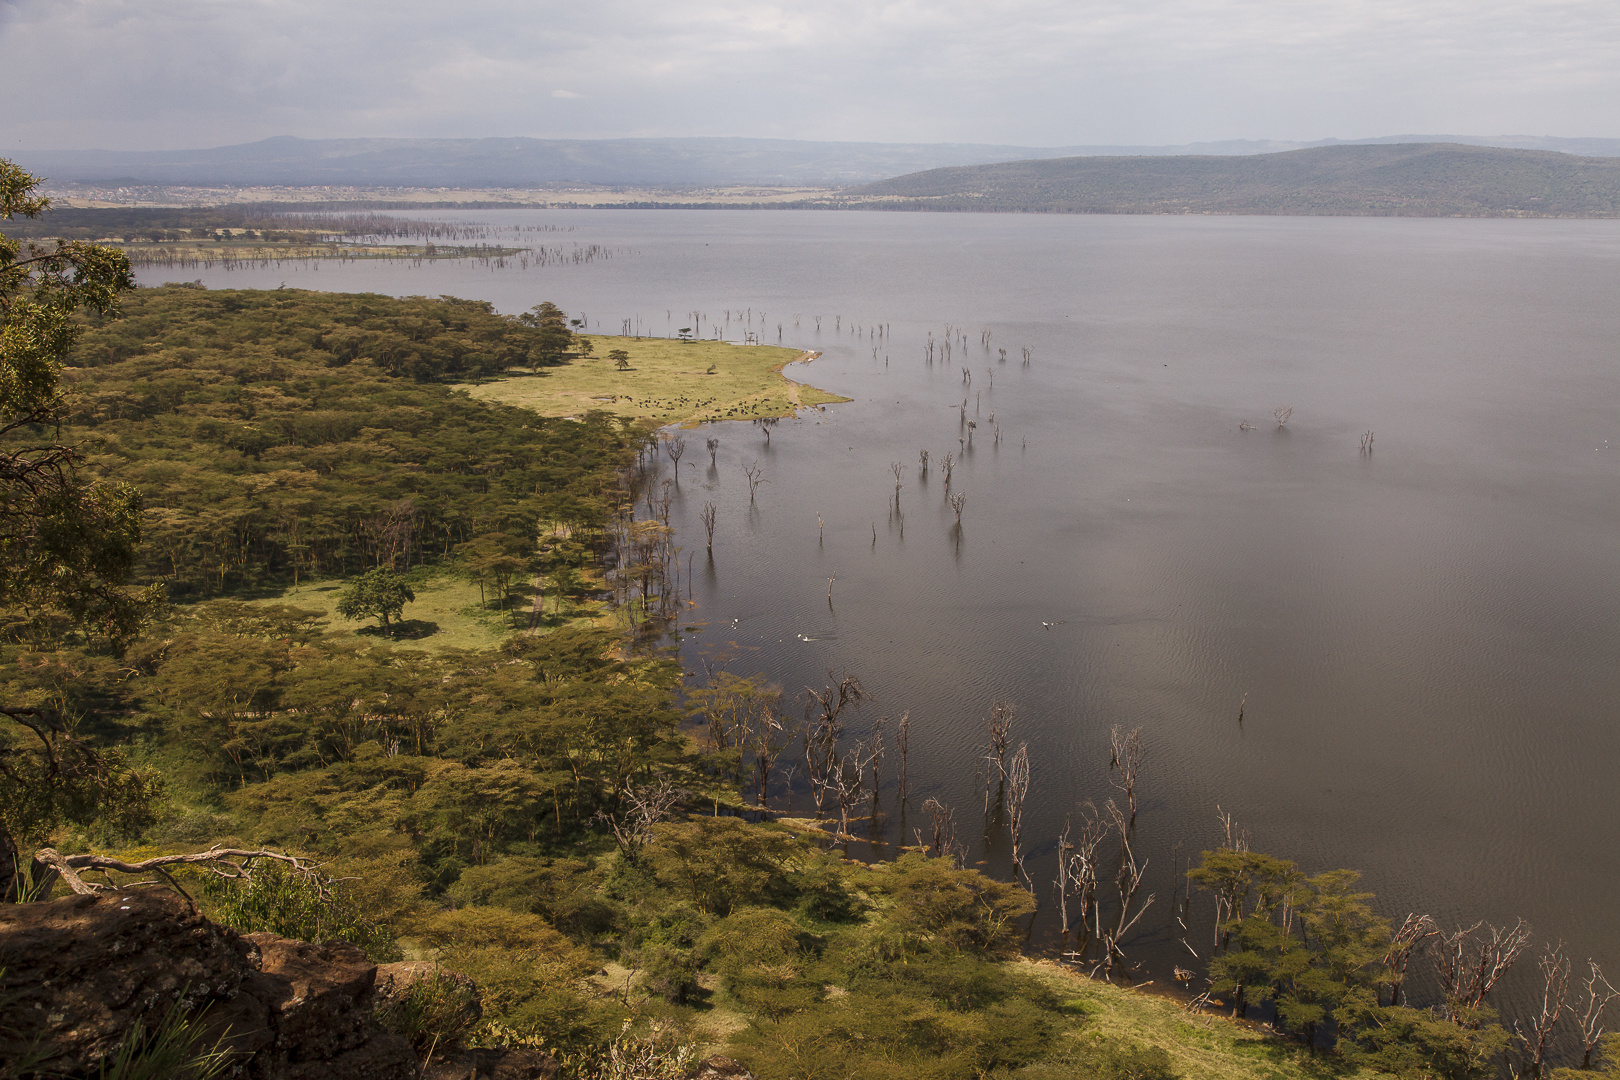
x: 1401, y: 180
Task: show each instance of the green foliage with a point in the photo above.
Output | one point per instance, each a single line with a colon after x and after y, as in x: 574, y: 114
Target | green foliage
x: 276, y: 435
x: 718, y: 864
x: 282, y: 902
x: 553, y: 335
x: 962, y: 910
x: 526, y: 972
x: 1092, y: 1059
x: 379, y: 593
x: 1418, y: 1044
x: 437, y: 1011
x: 67, y: 544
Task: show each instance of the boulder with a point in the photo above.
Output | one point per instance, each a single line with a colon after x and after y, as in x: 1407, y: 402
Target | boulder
x: 721, y: 1068
x: 77, y: 973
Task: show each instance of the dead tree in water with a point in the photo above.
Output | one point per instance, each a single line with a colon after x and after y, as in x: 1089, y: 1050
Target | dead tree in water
x: 1536, y: 1033
x: 944, y: 841
x: 958, y: 501
x: 897, y: 469
x: 675, y: 447
x: 1129, y: 881
x: 949, y: 463
x: 1126, y: 761
x: 714, y: 446
x: 766, y: 423
x: 824, y: 726
x: 753, y: 472
x: 1470, y: 966
x: 1598, y: 995
x: 902, y: 741
x: 1077, y: 869
x: 1002, y: 715
x: 767, y: 743
x: 708, y: 516
x: 1017, y: 791
x: 1402, y: 944
x: 1283, y: 413
x: 922, y: 463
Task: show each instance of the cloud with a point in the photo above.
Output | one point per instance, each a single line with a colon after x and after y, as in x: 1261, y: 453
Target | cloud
x: 173, y: 73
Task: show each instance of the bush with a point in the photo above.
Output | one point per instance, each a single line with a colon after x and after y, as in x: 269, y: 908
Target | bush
x: 436, y: 1009
x: 960, y: 909
x: 280, y: 901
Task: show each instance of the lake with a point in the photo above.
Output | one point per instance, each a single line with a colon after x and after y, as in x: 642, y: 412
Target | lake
x: 1422, y: 639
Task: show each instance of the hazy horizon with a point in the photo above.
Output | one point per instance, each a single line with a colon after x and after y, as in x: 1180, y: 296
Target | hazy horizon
x: 185, y: 74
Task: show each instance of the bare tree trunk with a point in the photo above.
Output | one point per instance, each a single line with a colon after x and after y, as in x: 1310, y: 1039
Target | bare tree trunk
x: 1598, y: 995
x: 1537, y: 1032
x: 1470, y: 967
x: 1126, y: 761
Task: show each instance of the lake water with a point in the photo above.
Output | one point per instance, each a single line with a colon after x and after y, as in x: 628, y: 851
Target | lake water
x: 1424, y: 638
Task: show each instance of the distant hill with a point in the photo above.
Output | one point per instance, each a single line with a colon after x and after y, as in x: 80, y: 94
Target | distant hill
x: 516, y: 163
x: 1419, y: 180
x: 498, y: 163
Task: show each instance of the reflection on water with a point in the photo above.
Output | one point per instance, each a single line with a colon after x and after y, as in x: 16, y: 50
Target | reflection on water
x: 1421, y: 638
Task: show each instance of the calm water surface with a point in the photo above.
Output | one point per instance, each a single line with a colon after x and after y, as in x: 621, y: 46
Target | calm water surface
x: 1425, y: 636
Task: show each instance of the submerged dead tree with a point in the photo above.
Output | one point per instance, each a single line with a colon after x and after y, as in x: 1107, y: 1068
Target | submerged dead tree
x: 1129, y: 881
x: 943, y: 842
x: 1535, y: 1033
x: 824, y: 727
x: 1017, y: 792
x: 1471, y: 961
x: 1002, y: 715
x: 1590, y: 1018
x: 1125, y: 762
x: 1078, y: 870
x: 709, y: 515
x: 1402, y: 944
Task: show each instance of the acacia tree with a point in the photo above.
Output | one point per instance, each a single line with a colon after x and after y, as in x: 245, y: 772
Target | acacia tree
x: 554, y: 337
x: 67, y: 540
x: 380, y: 593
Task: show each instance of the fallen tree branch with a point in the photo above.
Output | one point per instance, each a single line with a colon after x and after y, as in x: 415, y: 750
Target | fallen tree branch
x: 233, y: 863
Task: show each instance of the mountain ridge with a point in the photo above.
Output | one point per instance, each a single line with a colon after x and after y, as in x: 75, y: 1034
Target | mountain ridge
x: 522, y: 162
x: 1405, y: 179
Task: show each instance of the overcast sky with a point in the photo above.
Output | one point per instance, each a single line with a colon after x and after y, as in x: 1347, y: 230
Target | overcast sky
x: 155, y: 74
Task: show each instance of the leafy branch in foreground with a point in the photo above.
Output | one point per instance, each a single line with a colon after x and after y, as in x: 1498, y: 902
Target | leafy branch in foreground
x: 66, y: 546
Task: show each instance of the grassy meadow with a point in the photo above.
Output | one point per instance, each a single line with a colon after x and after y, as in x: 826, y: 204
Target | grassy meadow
x: 668, y: 382
x: 447, y: 614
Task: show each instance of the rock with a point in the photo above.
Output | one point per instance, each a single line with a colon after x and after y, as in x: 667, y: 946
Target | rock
x: 320, y: 1000
x: 721, y: 1068
x: 77, y: 973
x: 494, y: 1065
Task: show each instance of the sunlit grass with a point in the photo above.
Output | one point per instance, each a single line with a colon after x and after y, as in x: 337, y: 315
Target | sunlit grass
x: 1200, y: 1045
x: 668, y: 382
x: 445, y: 615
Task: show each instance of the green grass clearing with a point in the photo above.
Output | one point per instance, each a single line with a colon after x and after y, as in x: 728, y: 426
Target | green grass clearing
x: 1201, y: 1045
x: 445, y: 614
x: 668, y: 382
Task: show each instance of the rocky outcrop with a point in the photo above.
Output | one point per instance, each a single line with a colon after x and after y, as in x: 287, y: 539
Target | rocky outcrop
x: 76, y: 974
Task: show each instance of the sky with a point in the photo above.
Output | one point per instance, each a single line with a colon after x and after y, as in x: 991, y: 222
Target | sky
x: 175, y: 74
